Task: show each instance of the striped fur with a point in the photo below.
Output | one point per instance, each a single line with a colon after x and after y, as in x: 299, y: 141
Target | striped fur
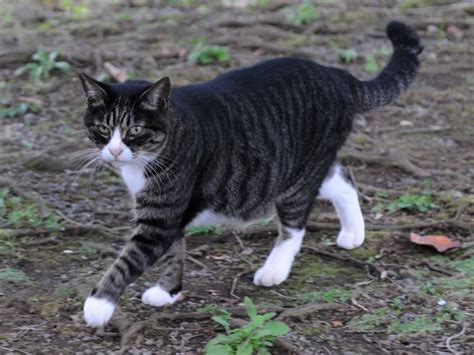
x: 252, y: 140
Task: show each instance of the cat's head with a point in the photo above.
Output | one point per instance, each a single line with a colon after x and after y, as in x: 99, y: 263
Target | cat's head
x: 127, y: 121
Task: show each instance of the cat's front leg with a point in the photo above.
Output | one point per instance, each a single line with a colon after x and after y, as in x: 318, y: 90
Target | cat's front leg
x: 146, y: 246
x: 168, y: 288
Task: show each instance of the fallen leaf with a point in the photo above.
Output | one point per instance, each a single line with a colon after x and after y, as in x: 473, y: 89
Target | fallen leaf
x: 118, y: 74
x: 440, y: 242
x: 337, y: 323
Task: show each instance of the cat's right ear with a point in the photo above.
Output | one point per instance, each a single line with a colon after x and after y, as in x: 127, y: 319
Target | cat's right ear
x: 95, y: 94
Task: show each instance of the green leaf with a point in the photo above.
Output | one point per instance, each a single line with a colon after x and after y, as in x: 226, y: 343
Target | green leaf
x: 64, y: 66
x: 250, y: 308
x: 218, y: 350
x: 276, y: 328
x: 222, y: 320
x: 244, y: 349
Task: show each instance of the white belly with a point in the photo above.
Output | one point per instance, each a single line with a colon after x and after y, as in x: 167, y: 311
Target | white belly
x: 209, y: 217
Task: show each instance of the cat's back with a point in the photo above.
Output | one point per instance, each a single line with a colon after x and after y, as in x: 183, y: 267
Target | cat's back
x: 277, y: 71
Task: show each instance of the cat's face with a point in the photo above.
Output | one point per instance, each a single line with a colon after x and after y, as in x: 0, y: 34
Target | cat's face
x: 128, y: 122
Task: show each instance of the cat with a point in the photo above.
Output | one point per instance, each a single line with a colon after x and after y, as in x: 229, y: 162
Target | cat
x: 251, y: 142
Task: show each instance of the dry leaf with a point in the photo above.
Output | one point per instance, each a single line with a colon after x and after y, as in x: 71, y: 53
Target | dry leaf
x: 337, y: 323
x: 118, y: 74
x: 440, y: 242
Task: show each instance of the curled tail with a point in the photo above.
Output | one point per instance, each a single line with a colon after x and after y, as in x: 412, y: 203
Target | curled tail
x: 399, y: 72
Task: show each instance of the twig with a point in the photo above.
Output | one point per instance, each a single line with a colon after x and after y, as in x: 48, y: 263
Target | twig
x: 364, y: 321
x: 435, y: 268
x: 197, y: 262
x: 344, y: 258
x: 284, y: 296
x: 458, y: 335
x: 234, y: 282
x: 301, y: 311
x: 284, y: 345
x: 14, y: 349
x: 357, y: 304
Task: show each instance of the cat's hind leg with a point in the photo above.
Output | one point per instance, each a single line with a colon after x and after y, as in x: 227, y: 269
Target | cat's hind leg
x: 168, y: 288
x: 339, y: 189
x: 292, y: 214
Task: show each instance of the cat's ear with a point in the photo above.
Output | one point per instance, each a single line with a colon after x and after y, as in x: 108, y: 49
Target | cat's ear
x: 156, y: 96
x: 95, y: 93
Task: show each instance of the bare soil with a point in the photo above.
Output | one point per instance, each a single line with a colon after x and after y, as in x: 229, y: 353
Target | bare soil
x: 389, y: 296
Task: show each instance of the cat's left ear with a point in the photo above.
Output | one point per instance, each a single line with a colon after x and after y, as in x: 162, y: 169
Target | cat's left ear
x: 156, y: 96
x: 95, y: 93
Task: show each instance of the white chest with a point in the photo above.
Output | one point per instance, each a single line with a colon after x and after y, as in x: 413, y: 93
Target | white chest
x: 134, y: 177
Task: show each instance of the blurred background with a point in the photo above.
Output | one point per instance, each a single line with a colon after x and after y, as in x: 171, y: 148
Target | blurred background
x: 62, y: 221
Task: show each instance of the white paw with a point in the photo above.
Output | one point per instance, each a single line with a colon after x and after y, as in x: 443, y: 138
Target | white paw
x: 350, y: 240
x: 156, y: 296
x: 97, y: 311
x: 270, y: 275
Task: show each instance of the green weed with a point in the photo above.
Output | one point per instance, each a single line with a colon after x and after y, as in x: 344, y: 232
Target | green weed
x: 408, y: 202
x: 347, y: 55
x: 45, y: 63
x: 370, y: 65
x: 16, y: 212
x: 205, y: 54
x: 14, y: 275
x: 19, y: 109
x: 74, y: 8
x: 465, y: 265
x: 412, y: 202
x: 256, y: 336
x: 369, y: 321
x: 421, y: 324
x: 302, y: 14
x: 330, y: 295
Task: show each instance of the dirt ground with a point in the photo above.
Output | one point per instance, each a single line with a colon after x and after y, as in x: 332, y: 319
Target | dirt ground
x: 61, y: 227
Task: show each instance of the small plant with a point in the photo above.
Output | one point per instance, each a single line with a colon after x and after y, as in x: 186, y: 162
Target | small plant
x: 420, y: 324
x: 12, y: 111
x: 329, y: 295
x: 72, y: 8
x: 371, y: 63
x: 45, y: 64
x: 346, y: 55
x: 13, y: 275
x: 408, y: 202
x: 16, y: 212
x: 302, y: 14
x: 206, y: 54
x: 412, y: 202
x: 369, y: 321
x: 256, y: 336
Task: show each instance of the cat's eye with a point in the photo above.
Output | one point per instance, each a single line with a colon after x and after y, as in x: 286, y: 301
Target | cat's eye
x: 102, y: 129
x: 136, y: 130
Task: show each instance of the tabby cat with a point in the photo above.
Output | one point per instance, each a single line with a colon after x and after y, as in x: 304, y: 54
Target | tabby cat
x: 252, y: 142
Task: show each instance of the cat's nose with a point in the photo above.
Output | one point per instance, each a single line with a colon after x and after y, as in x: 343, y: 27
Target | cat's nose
x: 115, y: 151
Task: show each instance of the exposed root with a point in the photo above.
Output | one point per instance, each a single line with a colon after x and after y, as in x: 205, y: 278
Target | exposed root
x: 392, y: 159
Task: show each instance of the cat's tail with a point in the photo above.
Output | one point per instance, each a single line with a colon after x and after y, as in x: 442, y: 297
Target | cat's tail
x: 399, y: 72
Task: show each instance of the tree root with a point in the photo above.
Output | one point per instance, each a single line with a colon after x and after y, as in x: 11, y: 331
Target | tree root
x: 393, y: 159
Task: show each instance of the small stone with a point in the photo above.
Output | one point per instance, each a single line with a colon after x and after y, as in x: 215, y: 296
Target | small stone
x: 405, y: 123
x: 441, y: 302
